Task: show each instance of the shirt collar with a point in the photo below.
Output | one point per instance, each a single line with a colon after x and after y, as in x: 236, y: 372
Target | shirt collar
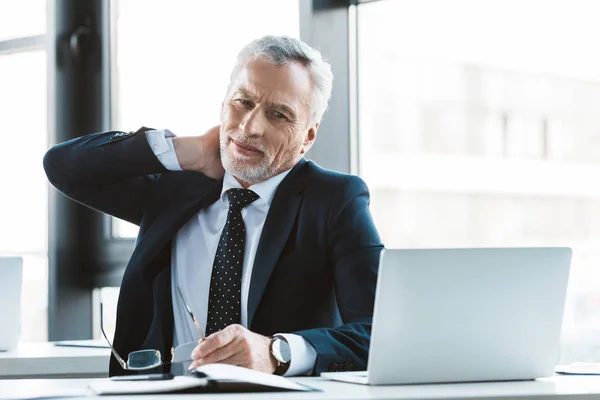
x: 265, y: 190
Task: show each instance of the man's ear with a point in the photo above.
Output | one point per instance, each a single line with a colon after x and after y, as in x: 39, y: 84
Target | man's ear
x: 309, y: 138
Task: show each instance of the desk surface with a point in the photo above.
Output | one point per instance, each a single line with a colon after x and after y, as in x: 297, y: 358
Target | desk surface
x: 45, y: 360
x: 571, y: 387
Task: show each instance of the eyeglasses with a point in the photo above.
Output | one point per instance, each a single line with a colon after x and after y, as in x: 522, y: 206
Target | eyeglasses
x: 140, y: 360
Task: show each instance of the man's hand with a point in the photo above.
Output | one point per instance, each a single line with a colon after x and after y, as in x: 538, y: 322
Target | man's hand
x: 235, y: 345
x: 201, y: 153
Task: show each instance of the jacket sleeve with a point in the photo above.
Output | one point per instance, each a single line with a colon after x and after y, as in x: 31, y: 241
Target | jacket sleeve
x: 111, y: 172
x: 354, y: 247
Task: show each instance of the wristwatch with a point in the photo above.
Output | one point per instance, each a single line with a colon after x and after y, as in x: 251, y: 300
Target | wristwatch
x: 280, y: 351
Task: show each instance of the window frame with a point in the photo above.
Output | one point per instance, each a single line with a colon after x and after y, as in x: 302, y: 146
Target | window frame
x: 24, y: 44
x: 76, y: 251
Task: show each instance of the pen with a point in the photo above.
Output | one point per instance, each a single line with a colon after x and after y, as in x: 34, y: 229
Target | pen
x: 189, y: 311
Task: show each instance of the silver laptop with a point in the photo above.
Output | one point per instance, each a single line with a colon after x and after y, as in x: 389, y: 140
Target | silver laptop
x: 465, y: 315
x: 11, y: 276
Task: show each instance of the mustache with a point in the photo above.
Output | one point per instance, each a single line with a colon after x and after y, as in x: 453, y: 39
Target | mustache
x: 249, y: 142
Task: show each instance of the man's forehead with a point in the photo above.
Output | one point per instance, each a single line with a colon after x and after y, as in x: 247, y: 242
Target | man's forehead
x: 279, y: 83
x: 256, y: 92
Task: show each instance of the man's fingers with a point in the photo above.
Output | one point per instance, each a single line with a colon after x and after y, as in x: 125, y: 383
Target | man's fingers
x: 217, y: 340
x: 221, y: 353
x: 195, y: 349
x: 233, y: 351
x: 238, y: 359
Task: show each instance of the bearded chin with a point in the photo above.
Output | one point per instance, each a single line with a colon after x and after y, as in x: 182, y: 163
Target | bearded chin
x: 241, y: 169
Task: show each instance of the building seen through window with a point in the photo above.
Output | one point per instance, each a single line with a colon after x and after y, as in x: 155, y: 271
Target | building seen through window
x: 477, y: 130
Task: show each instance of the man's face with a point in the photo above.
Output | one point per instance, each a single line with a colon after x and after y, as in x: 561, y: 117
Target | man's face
x: 265, y: 121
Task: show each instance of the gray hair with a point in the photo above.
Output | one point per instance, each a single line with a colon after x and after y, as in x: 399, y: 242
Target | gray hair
x: 284, y: 50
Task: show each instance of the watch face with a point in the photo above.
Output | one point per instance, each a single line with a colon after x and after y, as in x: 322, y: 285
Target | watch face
x: 281, y: 350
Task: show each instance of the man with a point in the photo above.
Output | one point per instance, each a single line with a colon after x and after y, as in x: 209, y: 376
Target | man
x: 270, y: 250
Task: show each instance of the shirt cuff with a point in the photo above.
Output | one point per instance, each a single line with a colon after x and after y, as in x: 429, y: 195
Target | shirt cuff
x: 303, y: 355
x: 161, y: 143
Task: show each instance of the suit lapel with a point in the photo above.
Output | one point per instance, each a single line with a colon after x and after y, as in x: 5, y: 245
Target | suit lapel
x: 276, y: 231
x: 190, y: 192
x: 200, y: 192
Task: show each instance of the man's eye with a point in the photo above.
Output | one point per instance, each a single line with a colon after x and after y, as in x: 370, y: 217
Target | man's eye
x: 280, y: 115
x: 244, y: 102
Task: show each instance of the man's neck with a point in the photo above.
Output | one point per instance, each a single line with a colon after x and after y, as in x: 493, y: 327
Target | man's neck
x: 245, y: 184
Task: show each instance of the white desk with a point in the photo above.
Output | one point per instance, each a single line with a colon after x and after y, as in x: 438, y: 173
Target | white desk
x: 563, y: 387
x: 44, y: 360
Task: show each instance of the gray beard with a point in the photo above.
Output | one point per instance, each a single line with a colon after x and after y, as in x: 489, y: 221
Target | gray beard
x: 241, y: 170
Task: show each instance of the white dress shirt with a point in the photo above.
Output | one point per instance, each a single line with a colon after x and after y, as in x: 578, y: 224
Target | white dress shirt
x: 193, y: 251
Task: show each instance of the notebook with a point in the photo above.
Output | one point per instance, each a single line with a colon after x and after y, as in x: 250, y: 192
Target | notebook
x: 207, y: 378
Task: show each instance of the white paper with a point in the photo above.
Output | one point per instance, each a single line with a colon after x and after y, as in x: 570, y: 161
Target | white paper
x: 225, y: 372
x: 107, y: 386
x: 579, y: 368
x: 214, y: 372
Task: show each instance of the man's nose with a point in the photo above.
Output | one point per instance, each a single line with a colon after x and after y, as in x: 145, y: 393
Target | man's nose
x: 253, y: 123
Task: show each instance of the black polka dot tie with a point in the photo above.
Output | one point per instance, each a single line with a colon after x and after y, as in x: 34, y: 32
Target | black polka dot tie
x: 224, y: 299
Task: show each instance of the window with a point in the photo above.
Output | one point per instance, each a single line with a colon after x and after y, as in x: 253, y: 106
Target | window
x: 23, y: 204
x: 173, y: 60
x: 479, y: 126
x: 19, y: 19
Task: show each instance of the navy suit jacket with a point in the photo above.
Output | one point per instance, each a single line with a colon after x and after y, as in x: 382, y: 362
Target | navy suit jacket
x: 316, y: 264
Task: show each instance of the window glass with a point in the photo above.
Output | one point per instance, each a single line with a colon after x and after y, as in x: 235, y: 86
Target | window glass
x: 479, y: 126
x: 23, y: 203
x: 173, y: 60
x: 22, y: 18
